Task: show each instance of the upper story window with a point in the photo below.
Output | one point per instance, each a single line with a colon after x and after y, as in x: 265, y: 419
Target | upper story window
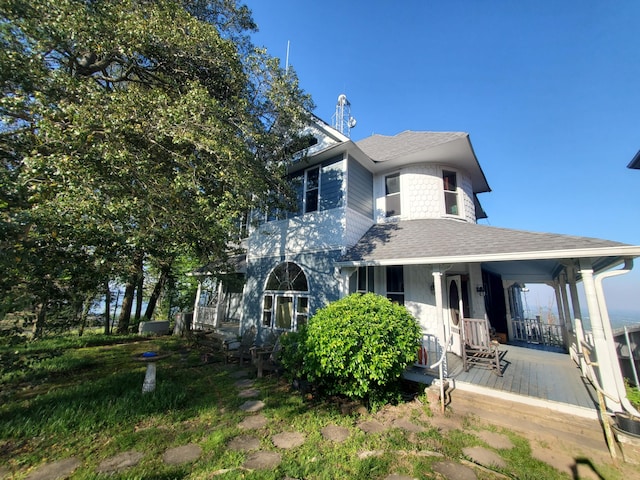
x: 450, y: 183
x: 311, y: 189
x: 395, y: 284
x: 392, y: 194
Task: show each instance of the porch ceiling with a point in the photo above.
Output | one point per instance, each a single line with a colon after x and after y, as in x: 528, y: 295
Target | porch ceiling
x: 513, y: 254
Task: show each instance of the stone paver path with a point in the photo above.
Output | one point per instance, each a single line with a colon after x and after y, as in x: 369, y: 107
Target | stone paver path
x: 254, y: 422
x: 120, y: 462
x: 185, y: 454
x: 244, y: 383
x: 252, y: 406
x: 486, y: 458
x: 372, y: 426
x: 335, y: 433
x: 287, y: 440
x: 244, y: 443
x: 454, y: 471
x: 55, y: 470
x: 262, y: 460
x: 249, y: 393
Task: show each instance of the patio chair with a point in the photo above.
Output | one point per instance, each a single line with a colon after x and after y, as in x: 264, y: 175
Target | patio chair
x: 478, y: 348
x: 266, y: 358
x: 240, y: 349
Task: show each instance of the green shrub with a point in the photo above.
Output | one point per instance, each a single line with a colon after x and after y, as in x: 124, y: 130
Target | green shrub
x: 358, y: 347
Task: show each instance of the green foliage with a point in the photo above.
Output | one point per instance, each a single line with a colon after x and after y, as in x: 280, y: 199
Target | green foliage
x: 359, y: 346
x: 130, y: 129
x: 633, y: 394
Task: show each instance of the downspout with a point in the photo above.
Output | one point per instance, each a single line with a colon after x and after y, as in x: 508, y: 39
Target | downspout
x: 604, y: 314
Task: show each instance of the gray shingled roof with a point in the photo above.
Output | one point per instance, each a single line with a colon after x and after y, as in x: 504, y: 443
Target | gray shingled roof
x: 442, y: 239
x: 381, y: 148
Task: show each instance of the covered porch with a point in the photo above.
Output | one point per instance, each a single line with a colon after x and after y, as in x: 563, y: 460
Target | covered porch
x: 511, y: 258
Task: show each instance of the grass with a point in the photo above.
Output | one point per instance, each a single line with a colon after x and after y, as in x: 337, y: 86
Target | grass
x: 68, y: 397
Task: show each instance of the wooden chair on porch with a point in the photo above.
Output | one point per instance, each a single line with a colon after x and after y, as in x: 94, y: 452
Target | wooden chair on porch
x: 478, y: 348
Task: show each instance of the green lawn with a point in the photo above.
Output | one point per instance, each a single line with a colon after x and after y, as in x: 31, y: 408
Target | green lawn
x: 82, y: 397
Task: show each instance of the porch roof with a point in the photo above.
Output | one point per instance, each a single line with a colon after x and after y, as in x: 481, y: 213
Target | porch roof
x: 514, y: 254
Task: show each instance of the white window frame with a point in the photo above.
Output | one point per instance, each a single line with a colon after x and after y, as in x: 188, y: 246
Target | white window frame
x: 368, y: 280
x: 455, y: 193
x: 299, y: 316
x: 308, y: 189
x: 397, y: 194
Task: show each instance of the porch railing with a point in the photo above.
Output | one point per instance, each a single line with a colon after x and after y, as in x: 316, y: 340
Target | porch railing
x: 430, y: 352
x: 205, y: 317
x: 533, y: 330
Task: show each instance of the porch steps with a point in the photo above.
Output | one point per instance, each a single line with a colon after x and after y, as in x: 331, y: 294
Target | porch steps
x: 577, y: 434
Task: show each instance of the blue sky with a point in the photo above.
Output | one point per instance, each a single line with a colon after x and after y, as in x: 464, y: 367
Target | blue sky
x: 548, y: 91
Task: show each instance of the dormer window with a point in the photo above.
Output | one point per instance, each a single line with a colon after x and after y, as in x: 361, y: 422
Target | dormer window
x: 392, y: 194
x: 450, y: 184
x: 311, y: 189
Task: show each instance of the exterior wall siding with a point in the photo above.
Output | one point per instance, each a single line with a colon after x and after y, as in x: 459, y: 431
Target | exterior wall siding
x: 322, y: 276
x: 356, y: 225
x: 422, y: 194
x: 360, y: 189
x: 323, y: 230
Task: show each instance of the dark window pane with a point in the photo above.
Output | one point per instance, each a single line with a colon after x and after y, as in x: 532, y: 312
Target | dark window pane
x: 392, y: 184
x: 284, y: 312
x: 287, y: 276
x: 395, y: 279
x: 362, y: 279
x: 393, y: 205
x: 449, y: 180
x: 313, y: 176
x: 396, y: 298
x: 311, y: 204
x: 451, y: 203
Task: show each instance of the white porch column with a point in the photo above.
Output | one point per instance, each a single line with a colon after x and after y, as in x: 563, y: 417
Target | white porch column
x: 507, y: 301
x: 562, y: 315
x: 605, y: 370
x: 220, y: 312
x: 573, y: 290
x: 196, y: 303
x: 345, y: 274
x: 437, y: 283
x: 565, y: 302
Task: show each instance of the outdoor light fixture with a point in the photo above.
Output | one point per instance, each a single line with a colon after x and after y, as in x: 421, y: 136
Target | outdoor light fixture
x: 480, y: 290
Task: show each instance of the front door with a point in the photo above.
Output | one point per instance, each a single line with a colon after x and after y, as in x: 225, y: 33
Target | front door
x: 456, y: 309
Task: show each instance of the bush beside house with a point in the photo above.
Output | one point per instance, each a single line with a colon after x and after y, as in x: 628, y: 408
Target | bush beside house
x: 356, y: 347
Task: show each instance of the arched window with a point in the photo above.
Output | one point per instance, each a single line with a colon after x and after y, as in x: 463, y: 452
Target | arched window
x: 286, y: 298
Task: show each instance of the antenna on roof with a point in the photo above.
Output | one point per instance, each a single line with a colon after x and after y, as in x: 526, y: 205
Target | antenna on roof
x: 342, y: 119
x: 286, y: 65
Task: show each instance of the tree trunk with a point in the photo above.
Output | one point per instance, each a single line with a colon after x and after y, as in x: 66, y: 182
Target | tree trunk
x: 85, y: 313
x: 157, y: 290
x: 139, y: 295
x: 125, y: 309
x: 129, y: 291
x: 41, y: 317
x: 107, y: 309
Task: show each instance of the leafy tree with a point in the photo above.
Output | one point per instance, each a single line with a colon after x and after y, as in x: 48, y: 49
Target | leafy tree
x: 132, y: 129
x: 357, y: 346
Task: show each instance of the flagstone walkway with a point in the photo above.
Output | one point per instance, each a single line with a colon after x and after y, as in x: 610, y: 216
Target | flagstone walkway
x: 259, y: 458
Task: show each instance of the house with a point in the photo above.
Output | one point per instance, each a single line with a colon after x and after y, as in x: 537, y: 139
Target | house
x: 397, y: 215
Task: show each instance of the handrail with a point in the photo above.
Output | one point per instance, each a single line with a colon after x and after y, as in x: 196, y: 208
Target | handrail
x: 439, y: 364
